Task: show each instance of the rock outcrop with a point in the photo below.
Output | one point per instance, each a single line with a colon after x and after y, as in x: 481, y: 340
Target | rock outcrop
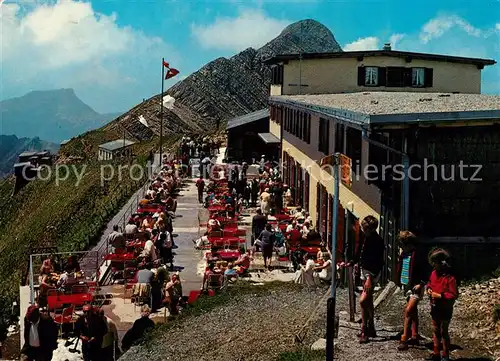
x: 225, y: 88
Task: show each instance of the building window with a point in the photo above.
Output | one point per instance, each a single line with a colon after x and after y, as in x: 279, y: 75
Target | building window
x: 418, y: 77
x: 353, y: 147
x: 339, y: 138
x: 371, y: 76
x: 324, y: 136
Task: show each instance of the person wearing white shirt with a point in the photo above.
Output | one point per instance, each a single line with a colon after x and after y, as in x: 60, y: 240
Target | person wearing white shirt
x: 305, y: 274
x: 291, y: 226
x: 306, y: 228
x: 40, y: 335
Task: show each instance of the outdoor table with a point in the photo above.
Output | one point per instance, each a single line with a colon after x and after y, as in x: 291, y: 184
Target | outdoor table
x: 79, y: 299
x: 119, y: 257
x: 283, y: 217
x: 224, y: 255
x: 225, y: 239
x: 216, y: 208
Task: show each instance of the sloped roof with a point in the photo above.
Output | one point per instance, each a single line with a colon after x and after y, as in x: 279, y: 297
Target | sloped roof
x: 269, y: 138
x: 248, y: 118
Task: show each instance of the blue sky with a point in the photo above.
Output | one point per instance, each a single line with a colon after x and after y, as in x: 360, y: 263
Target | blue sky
x: 110, y: 51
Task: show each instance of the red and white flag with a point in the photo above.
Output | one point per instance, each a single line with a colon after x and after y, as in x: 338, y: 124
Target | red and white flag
x: 171, y: 72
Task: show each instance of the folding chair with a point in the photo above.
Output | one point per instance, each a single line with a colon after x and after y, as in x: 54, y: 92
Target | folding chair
x: 65, y: 317
x: 215, y: 282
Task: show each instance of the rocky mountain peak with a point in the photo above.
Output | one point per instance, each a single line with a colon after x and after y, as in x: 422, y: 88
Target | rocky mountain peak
x: 226, y: 88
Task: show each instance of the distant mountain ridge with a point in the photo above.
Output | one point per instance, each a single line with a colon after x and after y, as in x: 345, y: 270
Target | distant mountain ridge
x: 225, y: 88
x: 53, y: 115
x: 11, y: 146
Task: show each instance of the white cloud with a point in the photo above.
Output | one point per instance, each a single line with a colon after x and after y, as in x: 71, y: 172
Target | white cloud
x: 370, y: 43
x: 449, y: 35
x: 251, y: 28
x: 67, y: 44
x: 436, y: 27
x: 395, y: 39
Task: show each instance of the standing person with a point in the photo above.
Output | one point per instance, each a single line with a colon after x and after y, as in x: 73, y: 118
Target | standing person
x: 442, y: 291
x: 255, y: 192
x: 173, y: 295
x: 91, y: 329
x: 267, y: 243
x: 258, y: 225
x: 369, y: 260
x: 412, y: 278
x: 265, y: 201
x: 139, y: 329
x: 40, y: 336
x: 200, y: 185
x: 110, y: 349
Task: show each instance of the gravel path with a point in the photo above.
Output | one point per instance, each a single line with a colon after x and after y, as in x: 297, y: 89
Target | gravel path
x: 253, y: 327
x: 262, y: 327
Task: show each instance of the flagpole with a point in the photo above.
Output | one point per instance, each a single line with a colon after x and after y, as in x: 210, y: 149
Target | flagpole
x: 161, y: 109
x: 300, y: 61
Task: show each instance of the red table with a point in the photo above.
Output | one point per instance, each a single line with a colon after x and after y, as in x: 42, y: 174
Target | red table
x: 225, y: 240
x: 59, y: 301
x: 216, y: 208
x: 119, y: 257
x: 283, y: 217
x: 228, y: 255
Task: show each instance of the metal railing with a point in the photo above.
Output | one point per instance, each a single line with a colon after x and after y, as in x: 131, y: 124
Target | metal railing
x: 103, y: 249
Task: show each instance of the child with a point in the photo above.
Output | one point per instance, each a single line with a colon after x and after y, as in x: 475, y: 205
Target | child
x: 370, y: 261
x: 411, y: 278
x: 442, y: 291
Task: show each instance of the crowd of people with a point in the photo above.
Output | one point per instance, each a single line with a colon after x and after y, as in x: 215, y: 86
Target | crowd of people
x: 282, y: 228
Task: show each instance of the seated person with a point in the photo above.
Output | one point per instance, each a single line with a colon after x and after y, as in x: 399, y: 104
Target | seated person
x: 291, y: 226
x: 306, y: 228
x: 208, y: 279
x: 324, y: 272
x: 272, y: 215
x: 230, y: 272
x: 72, y: 264
x: 305, y: 274
x: 243, y: 262
x: 201, y: 242
x: 213, y: 224
x: 298, y: 214
x: 149, y: 252
x: 148, y: 222
x: 131, y: 227
x: 66, y: 280
x: 293, y: 237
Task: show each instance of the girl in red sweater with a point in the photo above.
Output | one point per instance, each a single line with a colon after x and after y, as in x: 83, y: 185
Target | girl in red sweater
x: 442, y: 291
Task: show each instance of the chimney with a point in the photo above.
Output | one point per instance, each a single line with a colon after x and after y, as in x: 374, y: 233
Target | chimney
x: 387, y: 47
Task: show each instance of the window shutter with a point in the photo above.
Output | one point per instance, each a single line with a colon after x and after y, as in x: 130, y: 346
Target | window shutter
x: 361, y: 76
x: 382, y: 77
x: 428, y: 77
x: 407, y: 74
